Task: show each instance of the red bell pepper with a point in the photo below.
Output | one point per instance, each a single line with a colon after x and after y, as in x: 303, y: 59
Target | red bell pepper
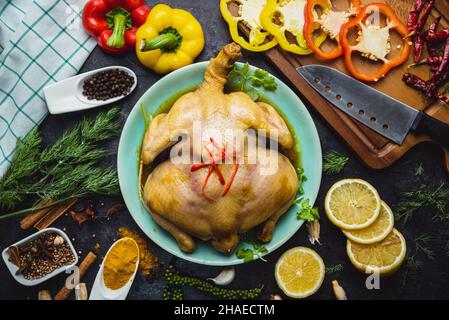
x: 114, y: 23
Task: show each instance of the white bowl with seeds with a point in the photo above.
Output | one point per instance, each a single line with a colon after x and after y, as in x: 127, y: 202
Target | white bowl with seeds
x: 40, y: 257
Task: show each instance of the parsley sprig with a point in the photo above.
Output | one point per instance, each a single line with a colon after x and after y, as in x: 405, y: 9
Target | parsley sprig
x: 306, y: 212
x: 251, y: 82
x: 249, y: 254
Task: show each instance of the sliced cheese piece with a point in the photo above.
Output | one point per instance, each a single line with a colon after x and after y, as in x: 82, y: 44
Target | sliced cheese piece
x: 292, y: 12
x: 374, y: 42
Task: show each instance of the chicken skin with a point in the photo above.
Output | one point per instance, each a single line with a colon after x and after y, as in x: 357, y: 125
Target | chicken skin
x: 222, y: 190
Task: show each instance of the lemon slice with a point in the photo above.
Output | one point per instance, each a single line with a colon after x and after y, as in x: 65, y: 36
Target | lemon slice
x: 377, y: 231
x: 384, y: 257
x: 352, y: 204
x: 299, y: 272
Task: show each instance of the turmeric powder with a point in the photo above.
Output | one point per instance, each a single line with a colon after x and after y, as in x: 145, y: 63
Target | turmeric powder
x: 120, y: 263
x: 147, y: 261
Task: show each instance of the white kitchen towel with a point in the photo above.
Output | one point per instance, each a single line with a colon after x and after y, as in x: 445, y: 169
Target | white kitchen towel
x: 41, y: 42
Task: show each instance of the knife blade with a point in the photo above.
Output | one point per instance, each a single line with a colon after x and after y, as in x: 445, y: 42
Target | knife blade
x: 383, y: 114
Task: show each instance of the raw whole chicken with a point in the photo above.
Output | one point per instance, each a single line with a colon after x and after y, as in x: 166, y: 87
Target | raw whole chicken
x: 222, y: 194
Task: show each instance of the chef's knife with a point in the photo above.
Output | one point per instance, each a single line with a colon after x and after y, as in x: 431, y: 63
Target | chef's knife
x: 385, y: 115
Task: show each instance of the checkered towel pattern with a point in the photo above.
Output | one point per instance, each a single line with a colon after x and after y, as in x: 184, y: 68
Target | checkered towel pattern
x: 41, y: 42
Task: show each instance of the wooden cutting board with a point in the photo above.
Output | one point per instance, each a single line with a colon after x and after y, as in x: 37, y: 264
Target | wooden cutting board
x: 374, y: 150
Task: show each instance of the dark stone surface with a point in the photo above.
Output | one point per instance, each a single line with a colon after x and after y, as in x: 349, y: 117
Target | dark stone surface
x: 431, y: 283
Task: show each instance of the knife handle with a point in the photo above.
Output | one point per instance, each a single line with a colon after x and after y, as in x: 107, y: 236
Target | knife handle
x: 434, y: 128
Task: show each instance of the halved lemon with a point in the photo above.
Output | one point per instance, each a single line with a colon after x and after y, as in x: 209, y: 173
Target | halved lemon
x: 352, y: 204
x: 377, y: 231
x: 384, y: 257
x: 299, y: 272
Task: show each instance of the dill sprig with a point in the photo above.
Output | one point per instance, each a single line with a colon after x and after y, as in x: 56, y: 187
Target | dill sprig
x: 334, y: 162
x: 422, y: 243
x: 334, y: 269
x: 424, y: 196
x: 411, y: 270
x: 63, y: 170
x: 419, y: 170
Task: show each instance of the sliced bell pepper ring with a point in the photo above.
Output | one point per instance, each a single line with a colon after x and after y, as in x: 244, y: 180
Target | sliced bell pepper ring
x: 330, y: 22
x: 257, y: 39
x: 366, y: 44
x: 291, y: 15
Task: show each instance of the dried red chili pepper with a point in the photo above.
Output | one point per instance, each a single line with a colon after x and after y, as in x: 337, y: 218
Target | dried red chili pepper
x: 433, y: 27
x: 432, y: 47
x: 414, y: 14
x: 438, y: 36
x: 433, y: 62
x: 426, y: 87
x: 415, y: 82
x: 443, y: 70
x: 418, y: 46
x: 423, y: 18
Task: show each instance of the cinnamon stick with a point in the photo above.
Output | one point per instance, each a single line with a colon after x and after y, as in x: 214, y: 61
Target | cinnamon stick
x: 35, y: 216
x: 54, y: 214
x: 84, y: 266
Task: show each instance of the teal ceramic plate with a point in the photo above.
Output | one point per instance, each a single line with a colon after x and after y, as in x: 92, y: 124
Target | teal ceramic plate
x: 128, y: 157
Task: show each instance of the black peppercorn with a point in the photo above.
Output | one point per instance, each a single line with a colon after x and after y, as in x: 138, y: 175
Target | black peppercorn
x: 108, y: 84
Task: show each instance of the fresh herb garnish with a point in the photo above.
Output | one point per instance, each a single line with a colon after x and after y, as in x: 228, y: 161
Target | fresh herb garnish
x: 424, y: 196
x: 248, y: 254
x: 334, y: 162
x: 422, y: 244
x: 301, y: 179
x: 419, y: 170
x: 411, y: 270
x: 242, y: 79
x: 334, y: 269
x: 306, y: 212
x: 64, y: 170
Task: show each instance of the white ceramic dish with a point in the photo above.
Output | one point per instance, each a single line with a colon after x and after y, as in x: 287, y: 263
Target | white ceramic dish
x: 67, y: 95
x: 101, y: 292
x: 20, y: 278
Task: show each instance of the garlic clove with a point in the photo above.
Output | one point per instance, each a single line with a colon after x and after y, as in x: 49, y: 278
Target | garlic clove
x: 275, y: 297
x: 313, y: 228
x: 339, y: 292
x: 225, y: 277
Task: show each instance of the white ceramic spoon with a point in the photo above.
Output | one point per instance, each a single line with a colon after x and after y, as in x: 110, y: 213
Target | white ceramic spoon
x: 67, y: 95
x: 101, y: 292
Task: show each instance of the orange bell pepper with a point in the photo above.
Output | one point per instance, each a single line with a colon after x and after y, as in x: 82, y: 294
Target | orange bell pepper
x: 330, y: 22
x: 366, y: 41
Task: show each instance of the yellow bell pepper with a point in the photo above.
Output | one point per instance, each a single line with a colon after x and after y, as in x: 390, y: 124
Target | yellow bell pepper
x: 169, y: 39
x: 249, y: 11
x: 290, y: 13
